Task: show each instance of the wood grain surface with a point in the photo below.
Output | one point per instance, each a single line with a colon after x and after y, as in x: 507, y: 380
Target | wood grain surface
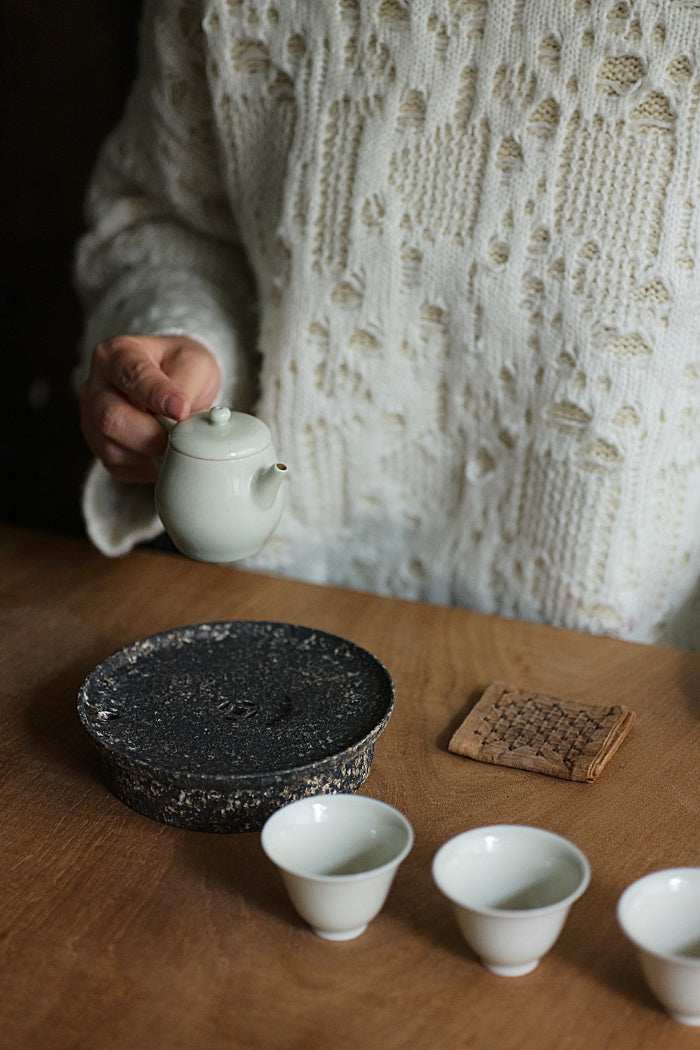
x: 119, y: 932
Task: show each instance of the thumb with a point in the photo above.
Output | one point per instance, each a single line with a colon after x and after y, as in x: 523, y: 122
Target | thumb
x: 133, y: 366
x: 175, y: 406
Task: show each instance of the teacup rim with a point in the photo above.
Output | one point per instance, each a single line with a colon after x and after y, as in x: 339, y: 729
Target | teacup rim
x: 370, y: 873
x: 632, y: 890
x: 515, y: 913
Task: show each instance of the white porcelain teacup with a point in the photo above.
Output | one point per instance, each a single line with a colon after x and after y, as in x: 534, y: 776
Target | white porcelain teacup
x: 338, y: 855
x: 660, y: 914
x: 511, y: 887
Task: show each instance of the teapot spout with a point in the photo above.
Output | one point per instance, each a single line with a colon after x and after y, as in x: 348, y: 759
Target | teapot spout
x: 266, y: 484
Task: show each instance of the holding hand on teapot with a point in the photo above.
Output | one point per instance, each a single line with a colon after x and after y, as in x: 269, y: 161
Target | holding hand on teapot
x: 132, y: 380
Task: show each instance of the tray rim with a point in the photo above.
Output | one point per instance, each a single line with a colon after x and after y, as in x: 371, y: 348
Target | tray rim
x: 239, y: 780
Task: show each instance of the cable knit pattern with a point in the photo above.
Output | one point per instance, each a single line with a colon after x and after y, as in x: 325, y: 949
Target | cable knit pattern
x: 472, y: 231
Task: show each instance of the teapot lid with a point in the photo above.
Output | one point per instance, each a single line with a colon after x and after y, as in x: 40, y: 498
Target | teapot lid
x: 220, y: 434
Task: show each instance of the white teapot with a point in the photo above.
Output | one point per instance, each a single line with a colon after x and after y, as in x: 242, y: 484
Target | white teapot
x: 219, y: 493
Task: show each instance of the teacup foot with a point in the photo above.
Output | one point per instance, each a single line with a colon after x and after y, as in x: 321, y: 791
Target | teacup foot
x: 689, y: 1019
x: 339, y: 935
x: 511, y: 971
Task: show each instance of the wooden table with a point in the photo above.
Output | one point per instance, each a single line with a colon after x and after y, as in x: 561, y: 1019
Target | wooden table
x: 119, y: 932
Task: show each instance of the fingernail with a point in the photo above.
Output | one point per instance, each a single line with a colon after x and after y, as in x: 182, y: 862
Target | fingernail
x: 173, y: 406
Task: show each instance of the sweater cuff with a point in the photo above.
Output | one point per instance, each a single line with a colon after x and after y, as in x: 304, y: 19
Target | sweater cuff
x: 117, y: 516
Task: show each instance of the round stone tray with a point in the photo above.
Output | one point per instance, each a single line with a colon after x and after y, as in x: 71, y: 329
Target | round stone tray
x: 214, y: 726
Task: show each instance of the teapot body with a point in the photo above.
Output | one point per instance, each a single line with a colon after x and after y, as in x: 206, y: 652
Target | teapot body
x: 220, y: 510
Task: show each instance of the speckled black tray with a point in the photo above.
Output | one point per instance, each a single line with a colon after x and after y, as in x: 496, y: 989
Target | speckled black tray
x: 214, y: 726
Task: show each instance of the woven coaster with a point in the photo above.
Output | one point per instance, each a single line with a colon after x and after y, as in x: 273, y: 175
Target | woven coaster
x: 509, y: 726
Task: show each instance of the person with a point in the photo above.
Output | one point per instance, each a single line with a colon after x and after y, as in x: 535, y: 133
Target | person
x: 448, y: 251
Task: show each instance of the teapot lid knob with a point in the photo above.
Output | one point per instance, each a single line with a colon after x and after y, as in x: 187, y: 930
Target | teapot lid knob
x: 219, y: 433
x: 219, y: 414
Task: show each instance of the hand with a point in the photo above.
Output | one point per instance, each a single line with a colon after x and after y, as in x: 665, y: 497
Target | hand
x: 132, y: 380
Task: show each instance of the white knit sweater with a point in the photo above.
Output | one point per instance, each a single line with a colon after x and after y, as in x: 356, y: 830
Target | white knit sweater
x: 455, y: 245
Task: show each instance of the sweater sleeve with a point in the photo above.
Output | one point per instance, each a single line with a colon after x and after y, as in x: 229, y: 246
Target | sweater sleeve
x: 161, y: 253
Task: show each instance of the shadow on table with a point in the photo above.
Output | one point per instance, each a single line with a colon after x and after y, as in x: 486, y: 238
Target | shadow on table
x: 237, y: 863
x: 446, y: 734
x: 689, y: 684
x: 50, y: 718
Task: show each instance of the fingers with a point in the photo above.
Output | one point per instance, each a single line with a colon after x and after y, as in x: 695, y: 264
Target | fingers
x: 132, y: 366
x: 127, y: 440
x: 133, y: 379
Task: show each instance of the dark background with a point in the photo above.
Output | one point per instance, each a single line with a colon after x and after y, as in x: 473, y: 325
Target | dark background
x: 65, y: 69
